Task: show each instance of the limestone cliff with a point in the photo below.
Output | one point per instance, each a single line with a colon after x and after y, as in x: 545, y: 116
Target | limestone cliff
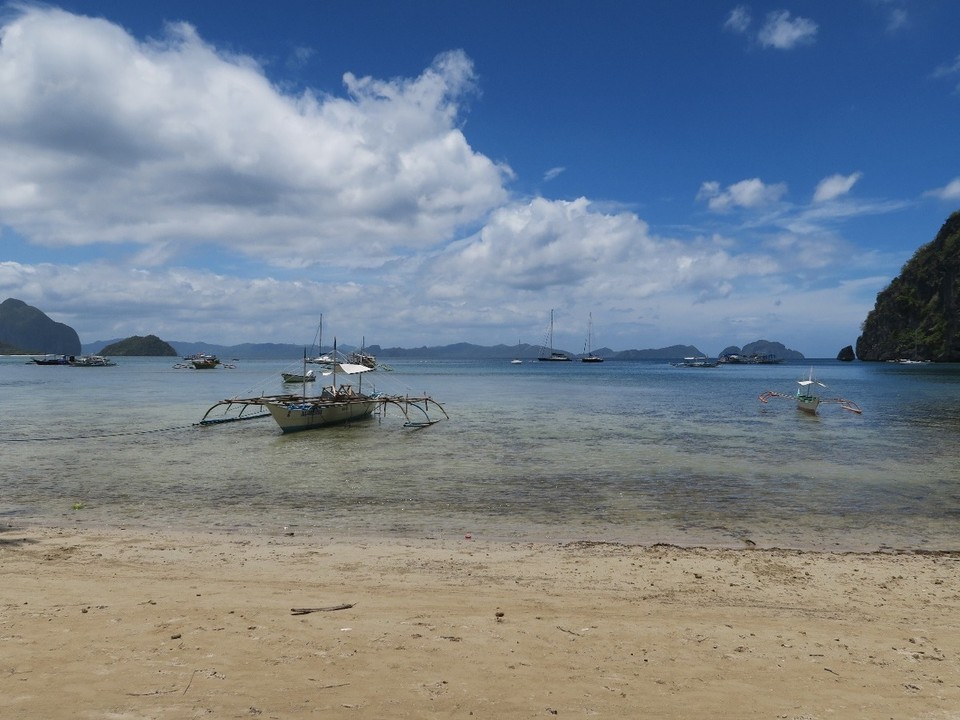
x: 916, y: 316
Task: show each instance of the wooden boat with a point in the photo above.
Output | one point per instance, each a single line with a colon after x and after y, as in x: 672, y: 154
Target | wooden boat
x: 308, y: 376
x: 203, y: 361
x: 334, y: 405
x: 51, y: 360
x: 808, y: 398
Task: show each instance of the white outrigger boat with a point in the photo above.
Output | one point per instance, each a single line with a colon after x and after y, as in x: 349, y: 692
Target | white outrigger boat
x: 808, y: 398
x: 334, y: 405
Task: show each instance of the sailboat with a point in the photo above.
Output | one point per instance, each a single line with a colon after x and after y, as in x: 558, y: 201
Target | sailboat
x: 589, y: 356
x: 555, y: 355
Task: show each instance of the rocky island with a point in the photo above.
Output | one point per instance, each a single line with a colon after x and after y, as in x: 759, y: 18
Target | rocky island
x: 137, y: 346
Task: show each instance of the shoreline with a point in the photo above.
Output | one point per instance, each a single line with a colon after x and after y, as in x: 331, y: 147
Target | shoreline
x: 143, y: 623
x: 854, y: 541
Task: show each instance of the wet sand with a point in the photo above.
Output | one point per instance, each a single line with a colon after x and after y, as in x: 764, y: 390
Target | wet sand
x: 126, y: 624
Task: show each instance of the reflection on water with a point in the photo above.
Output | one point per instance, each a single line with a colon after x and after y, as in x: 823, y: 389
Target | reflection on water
x: 628, y: 451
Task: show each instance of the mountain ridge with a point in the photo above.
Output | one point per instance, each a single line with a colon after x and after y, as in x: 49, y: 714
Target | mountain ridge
x: 454, y: 351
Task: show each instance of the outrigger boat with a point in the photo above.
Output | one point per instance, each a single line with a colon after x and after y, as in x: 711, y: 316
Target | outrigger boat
x: 808, y: 399
x: 335, y: 405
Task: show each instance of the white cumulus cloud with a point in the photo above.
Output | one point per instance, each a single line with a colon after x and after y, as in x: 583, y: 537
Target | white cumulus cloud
x: 172, y: 144
x: 783, y: 32
x: 752, y: 193
x: 834, y: 186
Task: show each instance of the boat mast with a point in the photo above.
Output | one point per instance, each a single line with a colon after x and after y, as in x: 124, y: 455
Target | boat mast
x: 304, y: 376
x: 551, y: 331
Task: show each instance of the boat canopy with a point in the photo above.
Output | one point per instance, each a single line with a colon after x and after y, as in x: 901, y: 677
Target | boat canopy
x: 352, y: 368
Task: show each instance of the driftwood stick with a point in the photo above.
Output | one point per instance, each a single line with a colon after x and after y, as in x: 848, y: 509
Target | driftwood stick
x: 307, y: 610
x: 192, y: 675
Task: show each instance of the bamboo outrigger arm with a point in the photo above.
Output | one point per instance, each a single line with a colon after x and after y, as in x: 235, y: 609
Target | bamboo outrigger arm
x: 406, y: 404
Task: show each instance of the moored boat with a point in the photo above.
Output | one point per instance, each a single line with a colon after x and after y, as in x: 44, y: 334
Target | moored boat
x: 51, y: 360
x: 308, y: 376
x: 554, y: 355
x: 334, y: 405
x: 808, y: 398
x: 698, y: 361
x: 91, y: 361
x: 203, y: 361
x: 590, y: 356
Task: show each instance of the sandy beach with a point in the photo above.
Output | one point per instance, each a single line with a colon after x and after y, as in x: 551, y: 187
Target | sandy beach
x: 134, y: 624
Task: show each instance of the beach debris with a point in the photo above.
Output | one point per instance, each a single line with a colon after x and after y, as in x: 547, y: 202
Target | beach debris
x: 329, y: 608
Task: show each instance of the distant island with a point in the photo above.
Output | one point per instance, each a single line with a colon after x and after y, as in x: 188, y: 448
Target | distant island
x: 762, y: 351
x: 137, y: 346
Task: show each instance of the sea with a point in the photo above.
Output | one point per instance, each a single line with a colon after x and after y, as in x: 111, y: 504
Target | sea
x: 634, y: 452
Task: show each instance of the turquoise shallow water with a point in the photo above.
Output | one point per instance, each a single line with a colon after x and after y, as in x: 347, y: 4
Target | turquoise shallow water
x: 637, y: 452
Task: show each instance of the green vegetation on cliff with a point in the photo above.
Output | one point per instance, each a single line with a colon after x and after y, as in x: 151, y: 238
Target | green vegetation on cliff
x: 136, y: 346
x: 6, y: 349
x: 916, y: 316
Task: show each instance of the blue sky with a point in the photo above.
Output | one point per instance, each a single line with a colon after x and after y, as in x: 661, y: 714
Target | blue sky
x: 424, y: 173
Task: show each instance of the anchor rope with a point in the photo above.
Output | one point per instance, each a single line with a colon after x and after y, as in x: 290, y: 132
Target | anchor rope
x: 97, y: 436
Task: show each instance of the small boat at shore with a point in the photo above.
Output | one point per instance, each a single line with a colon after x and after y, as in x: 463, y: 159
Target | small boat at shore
x: 808, y: 398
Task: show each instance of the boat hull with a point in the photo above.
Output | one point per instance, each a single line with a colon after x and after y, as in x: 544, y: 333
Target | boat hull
x: 296, y: 416
x: 291, y: 378
x: 808, y: 404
